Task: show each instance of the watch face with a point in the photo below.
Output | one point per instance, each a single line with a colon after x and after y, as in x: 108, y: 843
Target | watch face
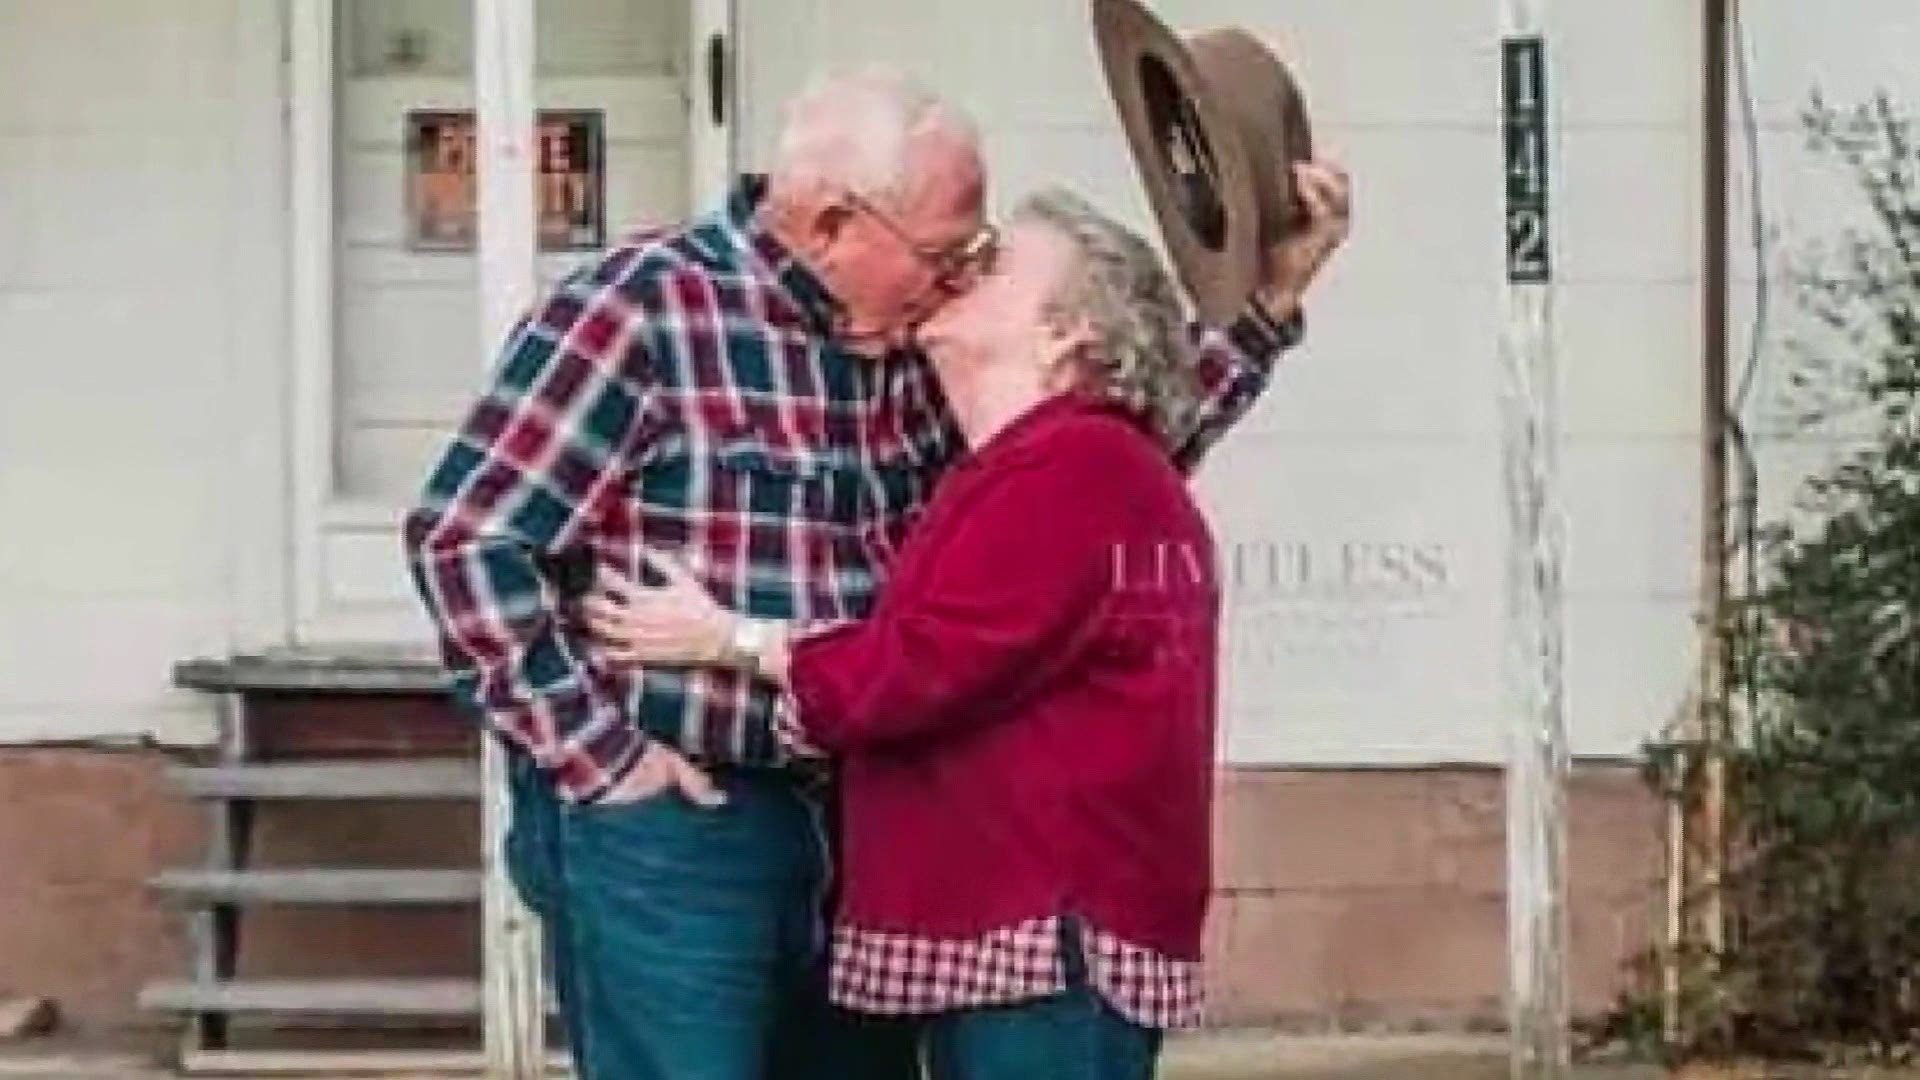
x: 749, y: 642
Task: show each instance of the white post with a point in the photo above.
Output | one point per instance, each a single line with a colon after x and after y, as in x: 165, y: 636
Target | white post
x: 713, y: 96
x: 1537, y: 990
x: 514, y: 1015
x: 310, y: 287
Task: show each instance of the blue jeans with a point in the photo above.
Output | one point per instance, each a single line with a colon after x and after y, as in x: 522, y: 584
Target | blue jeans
x: 686, y: 943
x: 1074, y: 1035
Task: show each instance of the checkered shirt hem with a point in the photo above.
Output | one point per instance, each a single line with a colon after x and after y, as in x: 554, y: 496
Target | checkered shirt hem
x: 899, y: 974
x: 1147, y: 987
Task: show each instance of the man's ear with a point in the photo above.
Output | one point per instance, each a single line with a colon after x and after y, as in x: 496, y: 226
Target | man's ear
x: 811, y: 221
x: 827, y: 222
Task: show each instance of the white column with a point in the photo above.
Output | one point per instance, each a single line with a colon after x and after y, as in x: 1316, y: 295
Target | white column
x: 514, y: 1015
x: 310, y: 286
x: 713, y: 98
x: 1537, y: 991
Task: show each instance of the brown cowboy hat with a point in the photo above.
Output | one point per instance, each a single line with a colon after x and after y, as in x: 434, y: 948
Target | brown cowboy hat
x: 1215, y: 122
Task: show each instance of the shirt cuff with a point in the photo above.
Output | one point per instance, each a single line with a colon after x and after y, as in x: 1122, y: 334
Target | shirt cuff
x: 794, y: 709
x: 1257, y: 333
x: 585, y: 779
x: 789, y: 731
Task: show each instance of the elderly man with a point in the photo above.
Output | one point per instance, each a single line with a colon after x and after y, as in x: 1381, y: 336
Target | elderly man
x: 735, y: 392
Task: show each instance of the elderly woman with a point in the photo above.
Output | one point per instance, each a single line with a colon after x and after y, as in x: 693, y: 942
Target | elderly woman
x: 1025, y: 723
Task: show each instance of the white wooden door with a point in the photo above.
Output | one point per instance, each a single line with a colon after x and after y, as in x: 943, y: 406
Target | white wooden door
x: 382, y: 329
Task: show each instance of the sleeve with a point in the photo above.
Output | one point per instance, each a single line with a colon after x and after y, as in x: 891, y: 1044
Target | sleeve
x: 524, y: 476
x: 1235, y: 366
x: 1009, y: 609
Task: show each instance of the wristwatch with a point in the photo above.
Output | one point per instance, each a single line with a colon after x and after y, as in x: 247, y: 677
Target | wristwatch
x: 748, y: 643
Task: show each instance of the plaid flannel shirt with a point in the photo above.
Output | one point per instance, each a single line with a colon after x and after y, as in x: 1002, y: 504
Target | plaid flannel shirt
x: 684, y: 393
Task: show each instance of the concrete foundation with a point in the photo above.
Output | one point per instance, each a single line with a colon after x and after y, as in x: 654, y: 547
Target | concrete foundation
x: 1347, y: 898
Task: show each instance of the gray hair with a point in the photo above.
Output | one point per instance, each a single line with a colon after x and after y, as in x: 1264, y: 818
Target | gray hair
x: 1142, y: 356
x: 858, y: 130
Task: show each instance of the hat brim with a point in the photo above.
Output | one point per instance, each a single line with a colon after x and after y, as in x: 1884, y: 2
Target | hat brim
x: 1191, y: 157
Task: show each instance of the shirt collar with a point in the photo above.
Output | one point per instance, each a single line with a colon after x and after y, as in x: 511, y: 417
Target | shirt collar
x: 767, y: 254
x: 1019, y: 439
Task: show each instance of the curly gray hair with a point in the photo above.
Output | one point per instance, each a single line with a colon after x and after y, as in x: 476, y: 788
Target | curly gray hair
x: 1142, y: 356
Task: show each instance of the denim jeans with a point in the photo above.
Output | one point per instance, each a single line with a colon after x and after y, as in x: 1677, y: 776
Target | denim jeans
x: 687, y: 943
x: 1073, y: 1035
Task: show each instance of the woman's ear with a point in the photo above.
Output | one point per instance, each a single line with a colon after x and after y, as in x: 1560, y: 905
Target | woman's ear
x: 1076, y: 335
x: 1068, y: 340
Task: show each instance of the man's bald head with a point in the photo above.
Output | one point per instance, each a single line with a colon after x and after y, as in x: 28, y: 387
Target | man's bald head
x: 875, y: 183
x: 873, y: 131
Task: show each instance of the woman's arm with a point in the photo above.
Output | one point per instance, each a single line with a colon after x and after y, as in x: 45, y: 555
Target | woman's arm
x: 1018, y: 577
x: 1014, y: 594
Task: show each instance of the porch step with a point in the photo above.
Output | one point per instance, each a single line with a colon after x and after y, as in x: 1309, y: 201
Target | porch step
x: 281, y: 715
x: 423, y: 779
x: 357, y: 671
x: 425, y: 998
x: 268, y: 1064
x: 322, y: 887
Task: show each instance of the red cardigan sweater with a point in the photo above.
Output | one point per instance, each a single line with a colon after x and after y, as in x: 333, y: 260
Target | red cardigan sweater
x: 1026, y: 720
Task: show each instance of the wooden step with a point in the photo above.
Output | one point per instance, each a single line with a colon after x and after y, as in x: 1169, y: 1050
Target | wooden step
x: 423, y: 779
x: 363, y: 670
x: 318, y: 997
x: 322, y: 886
x: 394, y: 1064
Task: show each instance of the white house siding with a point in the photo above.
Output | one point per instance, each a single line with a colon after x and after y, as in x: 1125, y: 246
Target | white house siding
x: 140, y: 475
x: 1847, y: 53
x: 1375, y: 456
x: 143, y: 460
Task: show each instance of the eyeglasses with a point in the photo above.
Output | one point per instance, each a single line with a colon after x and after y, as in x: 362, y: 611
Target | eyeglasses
x: 953, y: 266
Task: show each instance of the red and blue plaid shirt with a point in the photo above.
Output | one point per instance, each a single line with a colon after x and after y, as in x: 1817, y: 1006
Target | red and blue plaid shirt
x: 684, y: 393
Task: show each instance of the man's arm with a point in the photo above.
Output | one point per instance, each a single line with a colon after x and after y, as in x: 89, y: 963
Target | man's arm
x: 531, y: 467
